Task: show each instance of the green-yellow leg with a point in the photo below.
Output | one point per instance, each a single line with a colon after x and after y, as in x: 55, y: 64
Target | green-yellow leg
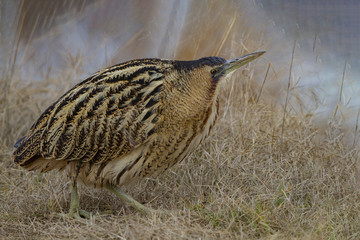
x: 128, y: 199
x: 74, y: 211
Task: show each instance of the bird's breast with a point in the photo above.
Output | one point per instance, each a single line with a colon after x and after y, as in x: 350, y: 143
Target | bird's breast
x: 170, y: 145
x: 180, y: 142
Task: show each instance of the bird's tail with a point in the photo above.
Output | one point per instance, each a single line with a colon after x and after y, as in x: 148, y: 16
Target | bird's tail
x: 27, y: 155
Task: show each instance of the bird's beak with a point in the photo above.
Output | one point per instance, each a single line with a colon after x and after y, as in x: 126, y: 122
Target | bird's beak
x: 231, y: 65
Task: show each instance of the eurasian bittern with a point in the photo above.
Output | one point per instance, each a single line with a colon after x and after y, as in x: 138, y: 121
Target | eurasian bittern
x: 127, y: 122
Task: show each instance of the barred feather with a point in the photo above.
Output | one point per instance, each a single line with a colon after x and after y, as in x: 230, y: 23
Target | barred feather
x: 125, y: 122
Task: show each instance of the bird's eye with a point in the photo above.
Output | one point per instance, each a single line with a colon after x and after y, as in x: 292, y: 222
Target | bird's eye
x: 213, y: 71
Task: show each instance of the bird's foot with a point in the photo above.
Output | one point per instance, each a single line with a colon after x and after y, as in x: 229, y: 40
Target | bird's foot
x: 132, y: 202
x: 79, y: 215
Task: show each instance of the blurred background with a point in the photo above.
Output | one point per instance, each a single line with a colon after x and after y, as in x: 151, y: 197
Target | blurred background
x: 283, y: 161
x: 59, y: 43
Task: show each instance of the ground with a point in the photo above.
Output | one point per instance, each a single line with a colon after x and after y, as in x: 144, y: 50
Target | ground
x: 273, y: 168
x: 259, y: 175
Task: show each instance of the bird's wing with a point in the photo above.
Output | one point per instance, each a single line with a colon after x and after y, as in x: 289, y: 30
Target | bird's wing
x: 103, y: 117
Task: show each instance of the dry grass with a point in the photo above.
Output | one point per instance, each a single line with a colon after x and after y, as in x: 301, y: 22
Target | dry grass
x: 263, y: 173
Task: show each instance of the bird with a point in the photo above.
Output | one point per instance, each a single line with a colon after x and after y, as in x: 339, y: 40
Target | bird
x: 127, y: 122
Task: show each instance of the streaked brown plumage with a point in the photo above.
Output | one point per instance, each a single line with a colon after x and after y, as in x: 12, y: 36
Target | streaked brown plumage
x: 128, y: 121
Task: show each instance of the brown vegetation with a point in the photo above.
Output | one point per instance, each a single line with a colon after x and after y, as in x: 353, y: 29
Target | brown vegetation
x: 264, y: 172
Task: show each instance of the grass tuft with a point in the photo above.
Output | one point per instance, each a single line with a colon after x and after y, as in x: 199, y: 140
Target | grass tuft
x: 266, y: 172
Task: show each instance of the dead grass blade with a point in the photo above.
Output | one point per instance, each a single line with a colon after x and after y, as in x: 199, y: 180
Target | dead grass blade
x: 287, y: 91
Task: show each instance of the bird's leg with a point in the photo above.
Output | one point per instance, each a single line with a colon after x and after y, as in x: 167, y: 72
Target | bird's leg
x: 74, y: 211
x: 128, y: 199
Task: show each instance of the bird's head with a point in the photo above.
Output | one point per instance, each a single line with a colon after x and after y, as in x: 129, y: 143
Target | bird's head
x: 200, y: 78
x: 219, y: 71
